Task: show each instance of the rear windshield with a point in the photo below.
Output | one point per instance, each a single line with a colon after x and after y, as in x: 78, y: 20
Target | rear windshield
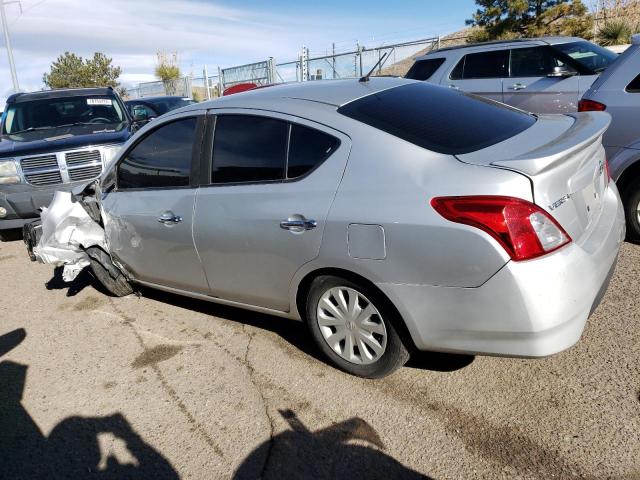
x: 439, y: 119
x: 424, y: 69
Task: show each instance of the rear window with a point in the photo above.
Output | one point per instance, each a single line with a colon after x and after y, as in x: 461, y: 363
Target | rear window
x: 424, y: 69
x: 439, y: 119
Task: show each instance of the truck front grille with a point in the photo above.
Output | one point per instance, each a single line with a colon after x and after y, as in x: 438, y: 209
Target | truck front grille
x: 50, y: 178
x: 62, y: 167
x: 41, y: 170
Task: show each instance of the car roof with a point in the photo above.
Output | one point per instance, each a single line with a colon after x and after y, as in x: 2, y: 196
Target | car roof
x: 58, y: 93
x: 516, y: 41
x: 328, y: 92
x: 158, y: 98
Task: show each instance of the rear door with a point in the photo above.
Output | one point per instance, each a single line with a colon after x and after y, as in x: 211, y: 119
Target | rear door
x: 480, y: 73
x: 532, y: 86
x: 261, y: 215
x: 148, y: 222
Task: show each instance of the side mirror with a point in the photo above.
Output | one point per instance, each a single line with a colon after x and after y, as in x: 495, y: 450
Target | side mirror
x: 139, y: 113
x: 562, y: 72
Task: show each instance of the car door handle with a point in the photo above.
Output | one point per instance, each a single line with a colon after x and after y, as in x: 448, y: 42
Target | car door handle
x: 298, y: 225
x: 517, y: 86
x: 169, y: 218
x: 454, y: 87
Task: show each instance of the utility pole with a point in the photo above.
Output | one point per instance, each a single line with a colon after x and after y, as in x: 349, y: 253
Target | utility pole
x: 7, y: 41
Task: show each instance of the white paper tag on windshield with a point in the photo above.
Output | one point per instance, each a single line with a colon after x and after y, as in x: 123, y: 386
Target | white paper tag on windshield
x: 98, y: 101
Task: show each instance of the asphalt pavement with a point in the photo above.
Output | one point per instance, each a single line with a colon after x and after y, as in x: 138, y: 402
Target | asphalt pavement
x: 160, y: 386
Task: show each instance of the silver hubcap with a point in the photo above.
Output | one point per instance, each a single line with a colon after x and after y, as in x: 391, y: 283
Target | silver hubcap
x: 351, y: 325
x: 638, y: 212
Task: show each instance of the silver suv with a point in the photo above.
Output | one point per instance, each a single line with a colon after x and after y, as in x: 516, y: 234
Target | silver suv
x: 617, y: 92
x: 543, y: 75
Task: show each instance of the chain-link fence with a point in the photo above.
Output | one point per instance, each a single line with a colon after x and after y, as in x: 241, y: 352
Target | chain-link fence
x: 353, y: 63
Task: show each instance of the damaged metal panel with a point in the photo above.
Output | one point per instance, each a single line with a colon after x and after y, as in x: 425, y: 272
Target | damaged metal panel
x: 67, y: 230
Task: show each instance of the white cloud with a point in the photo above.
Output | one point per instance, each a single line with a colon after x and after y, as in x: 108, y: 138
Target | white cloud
x: 132, y: 31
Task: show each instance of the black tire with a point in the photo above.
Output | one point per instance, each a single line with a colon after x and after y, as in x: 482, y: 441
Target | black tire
x: 110, y: 276
x: 396, y: 353
x: 631, y: 200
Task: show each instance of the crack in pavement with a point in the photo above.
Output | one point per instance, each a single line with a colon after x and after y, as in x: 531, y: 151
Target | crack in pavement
x: 171, y: 392
x: 252, y: 379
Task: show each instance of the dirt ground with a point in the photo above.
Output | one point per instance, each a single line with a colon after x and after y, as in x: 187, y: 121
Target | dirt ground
x: 160, y: 386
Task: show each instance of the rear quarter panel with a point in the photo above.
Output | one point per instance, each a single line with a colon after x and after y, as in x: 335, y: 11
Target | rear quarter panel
x: 390, y: 183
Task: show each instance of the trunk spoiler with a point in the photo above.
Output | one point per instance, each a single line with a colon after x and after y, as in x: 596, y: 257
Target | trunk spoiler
x: 586, y: 129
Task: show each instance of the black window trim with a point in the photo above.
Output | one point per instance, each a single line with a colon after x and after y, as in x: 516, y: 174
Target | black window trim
x: 207, y: 154
x: 194, y: 174
x: 633, y: 91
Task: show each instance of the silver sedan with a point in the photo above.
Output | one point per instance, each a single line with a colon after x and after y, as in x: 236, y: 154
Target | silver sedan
x: 389, y: 215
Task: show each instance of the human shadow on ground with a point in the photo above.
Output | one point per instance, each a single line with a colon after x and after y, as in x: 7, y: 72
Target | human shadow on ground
x: 346, y: 450
x: 295, y: 332
x: 101, y: 448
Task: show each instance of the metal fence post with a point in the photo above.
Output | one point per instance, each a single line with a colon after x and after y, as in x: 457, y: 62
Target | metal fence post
x: 206, y: 83
x: 304, y: 67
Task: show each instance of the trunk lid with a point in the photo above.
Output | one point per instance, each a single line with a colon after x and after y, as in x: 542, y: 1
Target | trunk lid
x: 564, y: 159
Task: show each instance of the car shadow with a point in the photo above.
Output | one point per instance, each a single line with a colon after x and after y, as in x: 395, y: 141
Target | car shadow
x: 12, y: 235
x: 345, y: 450
x: 295, y: 332
x: 84, y: 279
x: 102, y: 448
x: 292, y: 331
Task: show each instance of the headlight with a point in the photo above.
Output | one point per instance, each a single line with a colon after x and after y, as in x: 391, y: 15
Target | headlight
x: 109, y: 153
x: 8, y: 172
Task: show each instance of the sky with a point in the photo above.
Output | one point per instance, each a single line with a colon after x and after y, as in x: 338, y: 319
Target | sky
x: 209, y: 32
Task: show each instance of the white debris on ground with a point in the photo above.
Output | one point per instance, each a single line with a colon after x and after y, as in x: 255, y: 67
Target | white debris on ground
x: 67, y: 229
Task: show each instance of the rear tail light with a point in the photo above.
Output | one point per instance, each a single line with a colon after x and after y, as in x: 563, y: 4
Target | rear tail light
x: 522, y: 228
x: 607, y: 172
x: 591, y: 106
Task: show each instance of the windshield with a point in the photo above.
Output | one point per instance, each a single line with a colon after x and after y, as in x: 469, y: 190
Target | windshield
x: 57, y: 112
x: 591, y: 56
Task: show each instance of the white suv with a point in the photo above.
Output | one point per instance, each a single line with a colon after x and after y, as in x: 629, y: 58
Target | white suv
x: 543, y: 75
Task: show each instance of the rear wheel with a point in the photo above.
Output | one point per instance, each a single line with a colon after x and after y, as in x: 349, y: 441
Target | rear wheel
x: 109, y: 276
x: 354, y: 327
x: 631, y: 200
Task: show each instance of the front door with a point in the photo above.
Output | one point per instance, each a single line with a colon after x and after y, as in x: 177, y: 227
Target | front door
x: 540, y: 82
x: 149, y: 214
x: 273, y: 179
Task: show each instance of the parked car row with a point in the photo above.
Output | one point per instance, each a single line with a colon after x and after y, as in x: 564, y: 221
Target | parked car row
x: 388, y: 214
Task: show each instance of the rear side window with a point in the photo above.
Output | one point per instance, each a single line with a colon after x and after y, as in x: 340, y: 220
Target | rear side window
x: 424, y: 69
x: 308, y: 148
x: 161, y: 159
x: 634, y: 86
x: 482, y: 65
x: 438, y: 119
x: 249, y: 148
